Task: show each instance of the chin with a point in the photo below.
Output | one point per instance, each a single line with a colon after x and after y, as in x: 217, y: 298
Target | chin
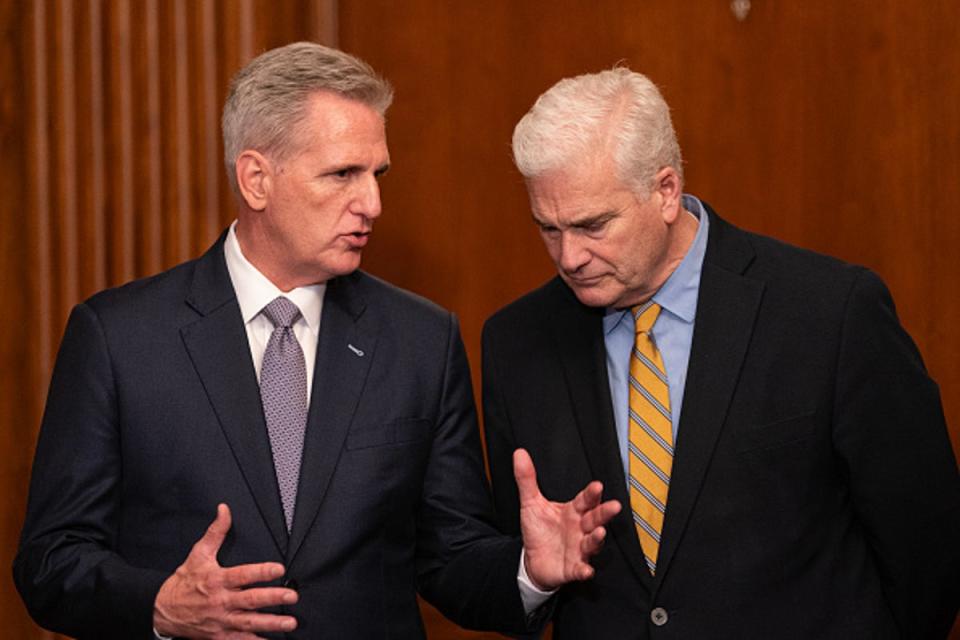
x: 346, y: 265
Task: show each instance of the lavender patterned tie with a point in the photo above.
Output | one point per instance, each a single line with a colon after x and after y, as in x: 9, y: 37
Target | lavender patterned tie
x: 283, y: 392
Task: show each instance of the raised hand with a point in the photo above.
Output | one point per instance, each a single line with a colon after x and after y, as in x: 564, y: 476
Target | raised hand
x: 204, y: 600
x: 559, y: 538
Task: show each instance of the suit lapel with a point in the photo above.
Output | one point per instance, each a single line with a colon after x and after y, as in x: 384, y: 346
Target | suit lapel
x: 580, y: 343
x: 348, y: 338
x: 217, y: 345
x: 726, y: 309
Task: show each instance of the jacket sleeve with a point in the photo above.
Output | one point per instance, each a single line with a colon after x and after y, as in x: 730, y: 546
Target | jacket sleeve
x: 465, y: 567
x: 891, y: 434
x: 67, y: 568
x: 500, y: 440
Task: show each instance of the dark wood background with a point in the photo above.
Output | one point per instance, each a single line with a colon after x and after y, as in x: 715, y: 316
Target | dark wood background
x: 831, y: 125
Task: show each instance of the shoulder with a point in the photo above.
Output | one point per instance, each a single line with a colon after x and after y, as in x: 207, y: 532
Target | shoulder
x: 394, y: 306
x: 798, y: 272
x: 533, y: 308
x: 156, y: 296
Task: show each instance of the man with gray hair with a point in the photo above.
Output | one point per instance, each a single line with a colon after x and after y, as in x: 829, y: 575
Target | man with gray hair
x: 325, y: 417
x: 758, y: 406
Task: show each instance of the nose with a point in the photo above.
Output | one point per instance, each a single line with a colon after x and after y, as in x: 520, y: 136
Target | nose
x: 367, y: 199
x: 573, y: 254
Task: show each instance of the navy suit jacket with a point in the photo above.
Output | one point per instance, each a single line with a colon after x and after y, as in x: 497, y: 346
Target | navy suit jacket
x: 814, y: 491
x: 154, y: 416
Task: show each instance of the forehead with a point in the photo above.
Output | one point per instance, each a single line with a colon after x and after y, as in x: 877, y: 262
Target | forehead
x: 575, y: 193
x: 331, y: 119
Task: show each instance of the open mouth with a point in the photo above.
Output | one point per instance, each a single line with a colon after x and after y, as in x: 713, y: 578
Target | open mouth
x: 357, y: 238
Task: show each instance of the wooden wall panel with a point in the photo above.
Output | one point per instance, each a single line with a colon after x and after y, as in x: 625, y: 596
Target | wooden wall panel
x: 111, y: 113
x: 829, y: 125
x: 16, y: 348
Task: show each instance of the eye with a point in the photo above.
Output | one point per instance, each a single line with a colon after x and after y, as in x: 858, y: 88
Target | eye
x: 596, y: 226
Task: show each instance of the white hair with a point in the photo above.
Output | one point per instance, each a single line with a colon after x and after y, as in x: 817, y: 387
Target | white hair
x: 268, y: 97
x: 617, y: 111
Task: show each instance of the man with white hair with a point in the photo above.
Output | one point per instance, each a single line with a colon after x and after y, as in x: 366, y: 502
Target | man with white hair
x: 325, y: 417
x: 758, y: 406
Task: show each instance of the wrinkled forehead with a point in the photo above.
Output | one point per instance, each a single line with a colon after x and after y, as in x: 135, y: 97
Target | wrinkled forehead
x: 576, y: 193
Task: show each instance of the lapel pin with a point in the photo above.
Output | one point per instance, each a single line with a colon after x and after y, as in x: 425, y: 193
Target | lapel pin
x: 359, y: 352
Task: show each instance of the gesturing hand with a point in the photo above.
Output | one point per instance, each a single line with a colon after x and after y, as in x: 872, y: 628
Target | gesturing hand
x: 204, y: 600
x: 559, y: 538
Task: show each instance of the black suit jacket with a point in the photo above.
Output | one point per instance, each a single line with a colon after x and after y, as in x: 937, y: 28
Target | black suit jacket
x: 154, y: 417
x: 814, y: 492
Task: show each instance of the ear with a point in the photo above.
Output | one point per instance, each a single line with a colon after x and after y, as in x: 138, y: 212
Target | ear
x: 669, y: 188
x: 254, y: 174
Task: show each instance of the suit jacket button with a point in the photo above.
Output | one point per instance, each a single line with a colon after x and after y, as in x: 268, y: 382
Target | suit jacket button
x: 290, y: 583
x: 659, y: 616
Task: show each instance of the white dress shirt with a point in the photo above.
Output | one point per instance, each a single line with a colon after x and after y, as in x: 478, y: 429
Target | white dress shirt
x: 254, y: 292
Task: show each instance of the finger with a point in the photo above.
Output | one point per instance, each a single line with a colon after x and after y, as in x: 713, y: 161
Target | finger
x: 593, y: 542
x: 583, y: 572
x: 526, y: 476
x: 209, y: 544
x: 580, y: 571
x: 589, y: 497
x: 252, y: 622
x: 599, y: 515
x: 245, y: 574
x: 252, y: 599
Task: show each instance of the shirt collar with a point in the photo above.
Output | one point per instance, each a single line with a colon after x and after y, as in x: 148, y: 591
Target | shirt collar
x: 255, y: 291
x: 678, y: 295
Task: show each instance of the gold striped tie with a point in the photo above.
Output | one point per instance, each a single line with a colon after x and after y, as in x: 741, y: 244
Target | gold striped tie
x: 651, y: 434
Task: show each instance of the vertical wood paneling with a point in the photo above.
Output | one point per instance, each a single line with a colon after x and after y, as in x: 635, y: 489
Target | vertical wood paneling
x: 179, y: 135
x: 120, y: 113
x: 245, y: 38
x: 18, y: 137
x: 94, y: 237
x: 64, y: 129
x: 111, y: 110
x: 38, y: 197
x: 326, y: 22
x: 211, y: 131
x: 148, y: 156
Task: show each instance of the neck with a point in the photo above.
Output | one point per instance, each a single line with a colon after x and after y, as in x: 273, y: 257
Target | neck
x: 682, y: 233
x: 257, y: 251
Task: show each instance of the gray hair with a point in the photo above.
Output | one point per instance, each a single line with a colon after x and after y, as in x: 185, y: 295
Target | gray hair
x: 268, y: 97
x: 583, y: 115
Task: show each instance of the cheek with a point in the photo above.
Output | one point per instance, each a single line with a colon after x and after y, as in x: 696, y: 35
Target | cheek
x: 320, y: 220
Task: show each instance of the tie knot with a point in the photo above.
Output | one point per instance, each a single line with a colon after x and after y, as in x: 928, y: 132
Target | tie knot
x: 644, y: 315
x: 281, y: 312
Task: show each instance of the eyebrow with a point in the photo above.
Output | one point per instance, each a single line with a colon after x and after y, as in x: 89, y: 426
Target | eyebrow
x: 357, y: 168
x: 585, y: 221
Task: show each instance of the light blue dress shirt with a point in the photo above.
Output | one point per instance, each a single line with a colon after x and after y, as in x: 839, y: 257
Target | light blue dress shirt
x: 672, y: 332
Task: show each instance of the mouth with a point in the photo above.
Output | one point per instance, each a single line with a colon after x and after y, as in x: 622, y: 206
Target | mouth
x: 357, y: 239
x: 582, y: 281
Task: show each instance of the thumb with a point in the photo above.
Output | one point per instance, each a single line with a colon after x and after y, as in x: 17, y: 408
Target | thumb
x: 209, y: 544
x: 526, y: 476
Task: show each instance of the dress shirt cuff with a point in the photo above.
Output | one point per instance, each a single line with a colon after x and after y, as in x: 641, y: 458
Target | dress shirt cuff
x: 532, y: 597
x: 159, y: 636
